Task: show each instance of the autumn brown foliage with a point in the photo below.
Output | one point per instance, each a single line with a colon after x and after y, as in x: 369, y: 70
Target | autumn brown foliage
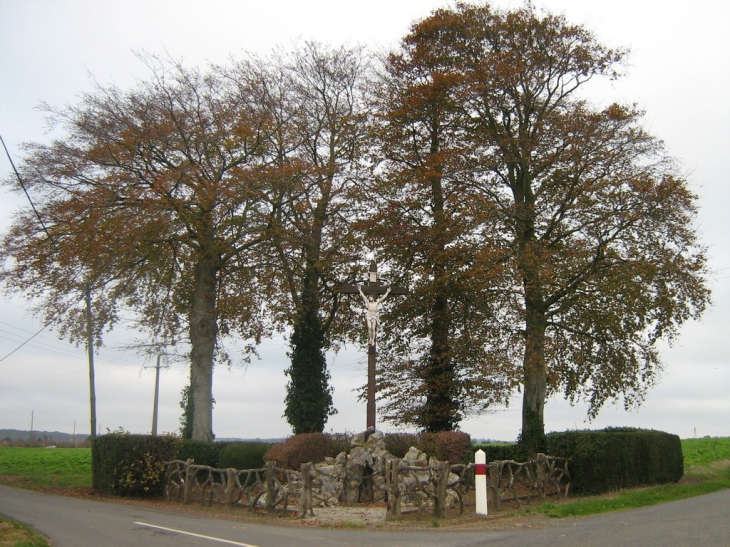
x: 307, y: 447
x: 561, y: 229
x: 548, y: 243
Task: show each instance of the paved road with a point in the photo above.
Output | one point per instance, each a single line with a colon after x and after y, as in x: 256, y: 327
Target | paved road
x: 697, y: 522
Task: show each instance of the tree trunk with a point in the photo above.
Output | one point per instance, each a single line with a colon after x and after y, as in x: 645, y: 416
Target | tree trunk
x: 535, y: 380
x: 530, y: 258
x: 203, y: 332
x: 309, y: 396
x: 440, y: 411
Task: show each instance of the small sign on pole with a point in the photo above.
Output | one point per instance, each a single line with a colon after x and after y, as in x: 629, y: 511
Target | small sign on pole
x: 480, y: 481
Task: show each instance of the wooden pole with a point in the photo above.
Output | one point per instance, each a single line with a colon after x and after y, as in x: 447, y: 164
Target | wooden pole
x: 372, y: 352
x: 90, y: 349
x: 156, y: 403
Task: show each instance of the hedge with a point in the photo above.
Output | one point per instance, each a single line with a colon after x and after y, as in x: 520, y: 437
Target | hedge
x: 131, y: 465
x: 243, y: 455
x: 616, y: 458
x: 498, y: 452
x: 202, y: 452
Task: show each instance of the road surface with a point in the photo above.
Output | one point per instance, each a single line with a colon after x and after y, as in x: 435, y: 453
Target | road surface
x: 703, y: 521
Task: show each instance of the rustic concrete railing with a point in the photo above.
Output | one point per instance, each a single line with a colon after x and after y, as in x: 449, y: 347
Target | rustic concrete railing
x: 421, y: 484
x: 545, y: 476
x: 416, y: 483
x: 207, y: 485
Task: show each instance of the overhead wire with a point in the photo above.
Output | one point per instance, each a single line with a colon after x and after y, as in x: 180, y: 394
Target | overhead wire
x: 53, y: 242
x: 65, y: 378
x: 48, y: 234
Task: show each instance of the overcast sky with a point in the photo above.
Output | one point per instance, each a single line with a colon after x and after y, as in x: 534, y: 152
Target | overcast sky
x: 679, y: 74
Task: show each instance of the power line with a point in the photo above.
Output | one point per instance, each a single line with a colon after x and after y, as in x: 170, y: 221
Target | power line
x: 48, y: 234
x: 22, y: 185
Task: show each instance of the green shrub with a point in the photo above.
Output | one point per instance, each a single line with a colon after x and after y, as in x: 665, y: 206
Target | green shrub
x: 616, y: 458
x: 451, y: 446
x: 398, y: 444
x: 341, y: 442
x: 243, y: 455
x: 131, y: 465
x: 497, y: 452
x: 203, y: 453
x: 299, y: 449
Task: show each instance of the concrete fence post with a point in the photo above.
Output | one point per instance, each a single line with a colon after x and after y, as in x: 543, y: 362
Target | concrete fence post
x: 442, y: 471
x: 271, y: 493
x: 305, y: 503
x: 392, y: 470
x: 495, y: 474
x: 189, y: 475
x: 230, y: 486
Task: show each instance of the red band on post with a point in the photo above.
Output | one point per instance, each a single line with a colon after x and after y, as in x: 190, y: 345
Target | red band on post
x: 480, y: 468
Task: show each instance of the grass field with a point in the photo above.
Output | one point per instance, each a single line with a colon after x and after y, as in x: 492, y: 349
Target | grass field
x: 44, y: 467
x: 704, y: 452
x: 39, y: 468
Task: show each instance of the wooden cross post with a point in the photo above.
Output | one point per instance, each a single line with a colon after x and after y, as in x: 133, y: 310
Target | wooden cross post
x: 373, y: 287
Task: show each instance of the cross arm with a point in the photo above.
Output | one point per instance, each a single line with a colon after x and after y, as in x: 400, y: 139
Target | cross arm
x: 371, y: 289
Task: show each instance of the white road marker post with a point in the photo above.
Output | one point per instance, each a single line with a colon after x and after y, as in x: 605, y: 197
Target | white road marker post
x: 480, y: 481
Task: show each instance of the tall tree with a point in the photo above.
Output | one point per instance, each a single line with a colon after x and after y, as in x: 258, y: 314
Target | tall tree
x: 314, y: 94
x: 595, y: 222
x: 153, y: 199
x: 429, y: 223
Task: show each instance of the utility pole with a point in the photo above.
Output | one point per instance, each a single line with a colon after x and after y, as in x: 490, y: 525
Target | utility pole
x: 157, y: 396
x: 155, y: 406
x: 370, y: 290
x: 90, y: 348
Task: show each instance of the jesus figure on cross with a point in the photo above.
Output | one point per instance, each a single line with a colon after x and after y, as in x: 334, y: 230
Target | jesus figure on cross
x: 372, y: 314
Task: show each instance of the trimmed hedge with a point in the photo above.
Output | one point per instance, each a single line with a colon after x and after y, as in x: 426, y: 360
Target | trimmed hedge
x: 615, y: 458
x: 497, y: 452
x: 131, y: 465
x: 204, y: 453
x: 243, y: 455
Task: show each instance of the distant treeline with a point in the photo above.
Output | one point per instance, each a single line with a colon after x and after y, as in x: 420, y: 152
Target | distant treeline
x: 17, y: 437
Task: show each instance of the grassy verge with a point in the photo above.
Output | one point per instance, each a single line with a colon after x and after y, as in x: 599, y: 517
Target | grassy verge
x: 15, y: 534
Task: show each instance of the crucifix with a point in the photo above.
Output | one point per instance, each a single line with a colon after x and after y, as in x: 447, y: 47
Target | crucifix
x: 373, y: 292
